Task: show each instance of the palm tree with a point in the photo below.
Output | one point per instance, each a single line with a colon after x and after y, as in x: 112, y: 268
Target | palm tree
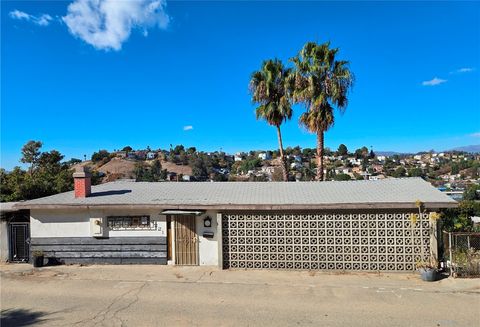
x: 268, y: 87
x: 321, y: 83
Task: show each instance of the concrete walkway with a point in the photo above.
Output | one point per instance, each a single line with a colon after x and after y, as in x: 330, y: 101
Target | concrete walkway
x: 168, y: 295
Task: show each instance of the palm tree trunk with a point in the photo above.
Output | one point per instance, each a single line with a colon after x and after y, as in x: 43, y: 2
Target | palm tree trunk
x: 320, y: 143
x: 282, y: 156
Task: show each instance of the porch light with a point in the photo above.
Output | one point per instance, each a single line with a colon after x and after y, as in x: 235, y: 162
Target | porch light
x: 207, y: 222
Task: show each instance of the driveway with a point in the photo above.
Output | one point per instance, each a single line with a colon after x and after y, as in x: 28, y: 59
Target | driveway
x: 196, y: 296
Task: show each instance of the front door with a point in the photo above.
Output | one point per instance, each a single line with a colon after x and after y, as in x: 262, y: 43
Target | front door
x: 186, y: 245
x: 19, y: 242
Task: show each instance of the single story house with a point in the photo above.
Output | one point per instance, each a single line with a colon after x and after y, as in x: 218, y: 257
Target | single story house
x: 265, y: 156
x: 151, y: 155
x: 351, y: 225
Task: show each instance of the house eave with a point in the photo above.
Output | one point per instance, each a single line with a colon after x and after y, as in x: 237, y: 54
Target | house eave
x: 232, y: 207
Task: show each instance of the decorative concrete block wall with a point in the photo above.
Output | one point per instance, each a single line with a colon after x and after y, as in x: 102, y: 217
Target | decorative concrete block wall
x: 383, y: 241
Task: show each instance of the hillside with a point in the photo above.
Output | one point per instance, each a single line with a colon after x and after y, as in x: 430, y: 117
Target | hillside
x: 468, y: 148
x: 120, y: 168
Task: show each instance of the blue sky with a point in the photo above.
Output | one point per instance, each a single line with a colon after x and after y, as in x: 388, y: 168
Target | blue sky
x: 160, y: 73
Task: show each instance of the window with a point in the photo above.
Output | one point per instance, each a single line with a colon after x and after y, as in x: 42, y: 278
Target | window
x: 131, y: 223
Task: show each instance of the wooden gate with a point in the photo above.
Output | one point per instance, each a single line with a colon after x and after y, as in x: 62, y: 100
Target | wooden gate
x: 186, y: 245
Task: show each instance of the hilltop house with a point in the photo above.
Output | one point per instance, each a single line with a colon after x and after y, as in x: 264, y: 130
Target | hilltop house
x: 151, y: 155
x: 265, y: 156
x: 355, y: 225
x: 238, y: 156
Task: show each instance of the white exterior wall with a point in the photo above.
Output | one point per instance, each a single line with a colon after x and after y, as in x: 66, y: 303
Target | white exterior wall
x: 3, y: 241
x: 208, y: 247
x: 76, y: 223
x: 57, y: 223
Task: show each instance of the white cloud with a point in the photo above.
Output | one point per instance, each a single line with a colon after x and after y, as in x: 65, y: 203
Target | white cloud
x: 42, y: 20
x: 475, y: 134
x: 106, y: 24
x: 187, y: 128
x: 463, y: 70
x: 434, y: 81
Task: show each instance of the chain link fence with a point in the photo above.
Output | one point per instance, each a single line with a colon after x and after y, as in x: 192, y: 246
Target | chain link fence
x: 462, y: 250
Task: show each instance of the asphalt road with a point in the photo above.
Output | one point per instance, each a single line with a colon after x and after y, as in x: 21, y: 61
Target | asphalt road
x: 182, y: 296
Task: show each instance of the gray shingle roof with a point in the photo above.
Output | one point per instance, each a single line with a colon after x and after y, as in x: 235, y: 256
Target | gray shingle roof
x: 8, y: 206
x: 388, y: 193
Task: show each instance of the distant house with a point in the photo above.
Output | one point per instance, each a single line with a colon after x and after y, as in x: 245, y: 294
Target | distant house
x: 238, y: 156
x: 151, y: 155
x: 342, y: 170
x: 141, y: 155
x: 296, y: 165
x: 378, y: 168
x: 357, y: 170
x: 171, y: 176
x: 229, y: 157
x: 376, y: 177
x: 354, y: 161
x: 121, y: 154
x: 268, y: 170
x: 222, y: 171
x: 265, y: 156
x: 381, y: 158
x: 131, y: 155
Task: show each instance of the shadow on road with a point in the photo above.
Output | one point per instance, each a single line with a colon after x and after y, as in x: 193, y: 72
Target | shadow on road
x: 21, y: 317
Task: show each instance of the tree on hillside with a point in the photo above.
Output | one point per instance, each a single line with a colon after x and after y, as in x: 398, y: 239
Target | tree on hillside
x: 308, y: 152
x: 199, y: 169
x: 147, y: 173
x: 269, y: 90
x: 31, y: 153
x: 416, y: 172
x: 458, y: 219
x: 321, y: 83
x: 47, y: 175
x: 399, y: 172
x: 342, y: 150
x: 158, y: 174
x: 361, y: 153
x: 127, y: 149
x: 100, y: 155
x: 73, y: 161
x: 179, y: 149
x: 472, y: 193
x: 342, y: 177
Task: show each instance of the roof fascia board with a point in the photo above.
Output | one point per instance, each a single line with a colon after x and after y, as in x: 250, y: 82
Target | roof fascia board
x: 289, y: 207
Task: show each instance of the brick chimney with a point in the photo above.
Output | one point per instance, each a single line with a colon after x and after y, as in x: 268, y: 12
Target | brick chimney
x: 82, y: 183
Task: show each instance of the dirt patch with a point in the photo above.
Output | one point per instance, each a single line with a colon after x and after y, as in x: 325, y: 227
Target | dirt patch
x: 118, y: 168
x: 178, y: 169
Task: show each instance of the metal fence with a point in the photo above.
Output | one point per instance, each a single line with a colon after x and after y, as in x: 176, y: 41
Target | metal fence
x: 463, y: 252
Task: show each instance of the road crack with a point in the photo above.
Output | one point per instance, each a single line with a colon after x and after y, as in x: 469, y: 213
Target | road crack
x: 110, y: 313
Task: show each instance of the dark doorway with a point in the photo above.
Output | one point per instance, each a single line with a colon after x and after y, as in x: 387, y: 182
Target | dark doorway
x: 169, y: 237
x: 19, y: 242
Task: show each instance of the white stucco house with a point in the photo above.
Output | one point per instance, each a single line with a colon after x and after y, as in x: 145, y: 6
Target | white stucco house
x: 354, y: 225
x: 265, y: 156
